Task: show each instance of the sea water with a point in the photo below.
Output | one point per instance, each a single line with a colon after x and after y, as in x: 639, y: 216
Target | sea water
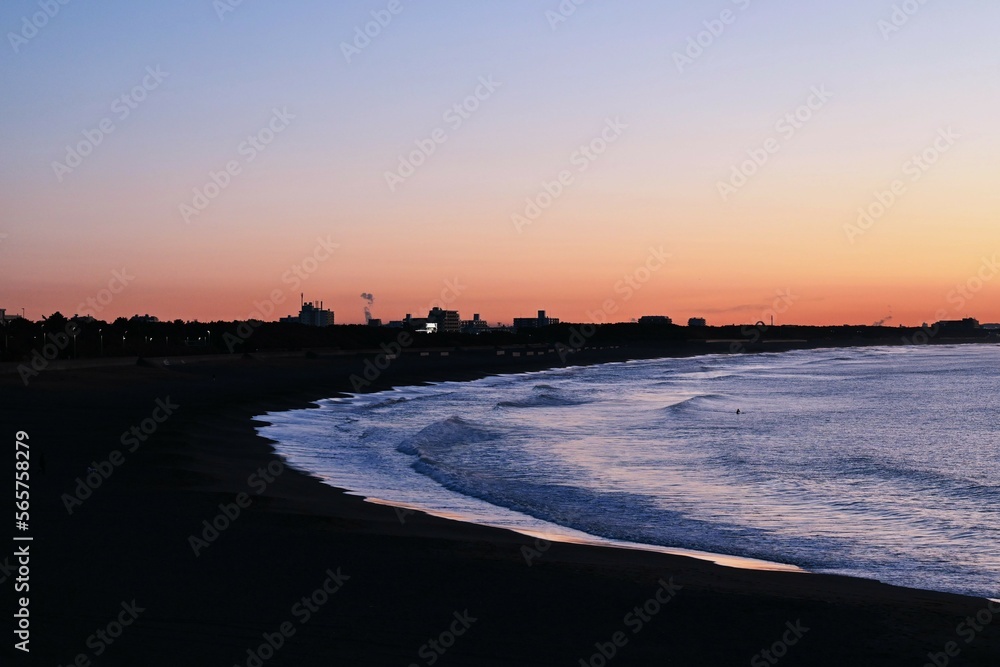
x: 879, y: 462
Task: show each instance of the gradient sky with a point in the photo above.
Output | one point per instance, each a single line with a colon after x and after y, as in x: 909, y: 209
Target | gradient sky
x: 656, y: 185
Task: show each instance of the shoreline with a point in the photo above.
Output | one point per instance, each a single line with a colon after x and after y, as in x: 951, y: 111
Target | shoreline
x: 408, y: 573
x: 586, y: 539
x: 565, y: 534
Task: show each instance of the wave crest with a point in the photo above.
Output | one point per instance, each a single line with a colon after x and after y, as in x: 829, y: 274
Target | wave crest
x: 442, y: 436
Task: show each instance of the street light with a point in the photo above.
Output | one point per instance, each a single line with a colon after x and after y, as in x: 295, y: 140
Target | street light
x: 100, y: 332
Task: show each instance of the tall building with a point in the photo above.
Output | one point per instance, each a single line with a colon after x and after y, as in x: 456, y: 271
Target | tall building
x: 311, y: 314
x: 446, y: 320
x: 534, y: 322
x: 697, y: 322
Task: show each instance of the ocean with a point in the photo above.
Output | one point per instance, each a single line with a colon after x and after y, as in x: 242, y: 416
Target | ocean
x: 877, y: 462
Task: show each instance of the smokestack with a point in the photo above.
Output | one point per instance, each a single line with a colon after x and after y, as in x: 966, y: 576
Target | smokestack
x: 370, y: 298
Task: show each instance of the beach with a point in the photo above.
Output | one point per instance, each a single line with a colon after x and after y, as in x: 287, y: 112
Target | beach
x: 190, y: 542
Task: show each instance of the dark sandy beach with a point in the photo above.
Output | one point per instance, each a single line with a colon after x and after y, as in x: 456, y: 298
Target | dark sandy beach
x: 393, y: 580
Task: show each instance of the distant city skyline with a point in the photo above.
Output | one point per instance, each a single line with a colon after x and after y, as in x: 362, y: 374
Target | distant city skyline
x: 664, y: 158
x: 315, y: 314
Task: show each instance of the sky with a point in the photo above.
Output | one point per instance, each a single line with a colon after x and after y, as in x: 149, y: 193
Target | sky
x: 822, y: 163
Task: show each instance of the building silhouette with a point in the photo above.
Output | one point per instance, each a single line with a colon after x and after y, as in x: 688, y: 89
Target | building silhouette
x: 967, y: 324
x: 475, y: 325
x: 311, y: 313
x: 446, y: 320
x: 534, y: 322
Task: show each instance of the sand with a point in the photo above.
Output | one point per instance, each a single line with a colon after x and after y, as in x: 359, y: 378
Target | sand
x: 331, y: 579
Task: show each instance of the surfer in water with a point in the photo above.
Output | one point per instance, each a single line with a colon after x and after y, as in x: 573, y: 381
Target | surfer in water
x: 737, y: 411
